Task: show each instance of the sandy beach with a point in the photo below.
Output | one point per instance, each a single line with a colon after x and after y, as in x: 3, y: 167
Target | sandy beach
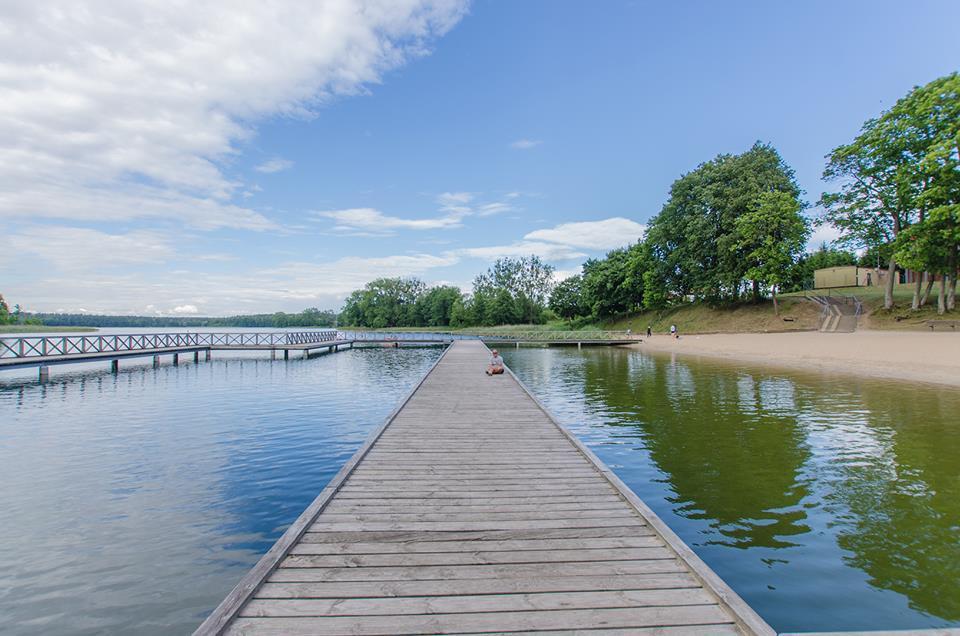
x: 913, y: 356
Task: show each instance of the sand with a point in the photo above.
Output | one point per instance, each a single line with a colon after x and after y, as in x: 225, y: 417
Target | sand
x: 914, y: 356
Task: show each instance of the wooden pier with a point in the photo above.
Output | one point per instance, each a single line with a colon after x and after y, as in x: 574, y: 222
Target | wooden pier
x: 471, y: 510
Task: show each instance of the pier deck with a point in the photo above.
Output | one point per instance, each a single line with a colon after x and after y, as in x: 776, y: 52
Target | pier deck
x: 471, y: 510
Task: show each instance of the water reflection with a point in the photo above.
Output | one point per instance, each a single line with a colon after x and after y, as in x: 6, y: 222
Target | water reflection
x: 828, y: 503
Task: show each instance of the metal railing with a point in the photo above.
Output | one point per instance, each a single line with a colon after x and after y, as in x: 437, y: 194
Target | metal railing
x: 42, y: 346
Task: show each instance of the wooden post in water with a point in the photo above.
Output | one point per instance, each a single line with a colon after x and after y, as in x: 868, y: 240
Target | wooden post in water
x: 273, y: 354
x: 176, y: 359
x: 208, y: 355
x: 156, y: 361
x: 196, y: 356
x: 114, y: 366
x: 286, y: 354
x: 44, y: 374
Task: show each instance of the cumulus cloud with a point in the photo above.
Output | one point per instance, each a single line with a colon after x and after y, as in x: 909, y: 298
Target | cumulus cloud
x: 185, y: 309
x: 607, y: 234
x: 274, y: 165
x: 525, y: 144
x: 118, y: 110
x: 373, y: 221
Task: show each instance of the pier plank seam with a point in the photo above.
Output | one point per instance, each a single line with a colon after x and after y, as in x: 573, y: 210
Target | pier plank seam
x: 401, y: 542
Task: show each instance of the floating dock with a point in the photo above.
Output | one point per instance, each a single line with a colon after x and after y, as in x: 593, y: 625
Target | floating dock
x: 472, y: 510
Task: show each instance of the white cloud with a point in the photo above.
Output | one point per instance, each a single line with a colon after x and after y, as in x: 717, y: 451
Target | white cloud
x: 376, y: 222
x: 77, y: 249
x: 607, y: 234
x: 274, y: 165
x: 825, y: 233
x: 489, y: 209
x: 525, y: 144
x: 547, y: 251
x: 119, y: 110
x: 185, y: 309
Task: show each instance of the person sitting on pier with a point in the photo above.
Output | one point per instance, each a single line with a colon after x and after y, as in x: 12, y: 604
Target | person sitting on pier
x: 496, y: 364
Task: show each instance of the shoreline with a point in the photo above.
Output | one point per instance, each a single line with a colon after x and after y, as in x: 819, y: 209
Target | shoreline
x: 931, y: 358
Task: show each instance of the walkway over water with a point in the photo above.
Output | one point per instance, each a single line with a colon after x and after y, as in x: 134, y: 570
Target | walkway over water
x: 471, y: 510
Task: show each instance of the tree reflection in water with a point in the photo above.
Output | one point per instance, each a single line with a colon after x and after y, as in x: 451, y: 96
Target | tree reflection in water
x: 827, y: 502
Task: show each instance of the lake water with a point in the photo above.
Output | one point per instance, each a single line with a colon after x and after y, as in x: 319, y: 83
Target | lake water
x: 134, y: 502
x: 828, y: 503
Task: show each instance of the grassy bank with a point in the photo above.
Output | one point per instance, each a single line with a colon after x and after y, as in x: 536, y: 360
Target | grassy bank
x: 41, y: 329
x: 796, y: 314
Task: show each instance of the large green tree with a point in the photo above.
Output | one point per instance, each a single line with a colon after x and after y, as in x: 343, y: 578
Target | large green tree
x: 527, y: 280
x: 771, y: 237
x: 694, y: 246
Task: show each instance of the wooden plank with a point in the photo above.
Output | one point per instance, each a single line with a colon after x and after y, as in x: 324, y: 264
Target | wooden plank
x: 633, y: 617
x: 381, y: 589
x: 475, y: 557
x: 477, y: 603
x: 371, y: 547
x: 478, y: 535
x: 499, y: 571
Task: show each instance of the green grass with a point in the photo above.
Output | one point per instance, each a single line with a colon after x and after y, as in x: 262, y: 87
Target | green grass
x: 796, y: 314
x: 41, y: 328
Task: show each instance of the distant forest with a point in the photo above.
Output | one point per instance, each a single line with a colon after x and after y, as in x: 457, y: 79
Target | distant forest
x: 306, y: 318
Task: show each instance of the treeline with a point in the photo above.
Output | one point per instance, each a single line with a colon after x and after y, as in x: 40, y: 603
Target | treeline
x: 899, y: 189
x: 513, y: 290
x: 733, y: 229
x: 307, y: 318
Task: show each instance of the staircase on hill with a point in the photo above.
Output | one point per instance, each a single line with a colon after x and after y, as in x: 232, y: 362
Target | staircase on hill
x: 840, y: 313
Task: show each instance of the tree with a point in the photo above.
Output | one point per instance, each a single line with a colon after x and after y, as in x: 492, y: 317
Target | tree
x: 770, y: 238
x: 4, y: 311
x: 566, y: 299
x: 435, y: 306
x: 693, y: 242
x: 608, y: 287
x: 899, y: 168
x: 528, y: 281
x: 384, y: 302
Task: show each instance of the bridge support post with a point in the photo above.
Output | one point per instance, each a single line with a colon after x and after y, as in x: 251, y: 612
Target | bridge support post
x: 306, y: 354
x: 114, y: 366
x: 176, y: 359
x: 156, y: 361
x: 208, y: 356
x: 273, y: 354
x: 196, y: 356
x: 286, y: 354
x: 579, y: 345
x: 44, y: 374
x: 518, y: 344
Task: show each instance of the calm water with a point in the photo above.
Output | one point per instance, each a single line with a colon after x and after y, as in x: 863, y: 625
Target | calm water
x: 133, y: 503
x: 827, y: 503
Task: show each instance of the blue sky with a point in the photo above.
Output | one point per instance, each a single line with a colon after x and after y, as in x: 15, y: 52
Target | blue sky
x: 159, y: 158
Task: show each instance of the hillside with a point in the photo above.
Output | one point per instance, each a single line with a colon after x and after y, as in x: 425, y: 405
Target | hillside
x: 796, y: 314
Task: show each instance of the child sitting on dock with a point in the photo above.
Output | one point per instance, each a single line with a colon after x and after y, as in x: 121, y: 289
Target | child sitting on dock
x: 496, y: 364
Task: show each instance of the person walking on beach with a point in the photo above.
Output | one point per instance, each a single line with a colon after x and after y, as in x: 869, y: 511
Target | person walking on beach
x: 496, y: 364
x: 673, y: 331
x: 649, y: 331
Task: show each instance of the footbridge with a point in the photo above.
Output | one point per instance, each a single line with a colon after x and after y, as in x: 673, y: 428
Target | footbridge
x: 45, y: 351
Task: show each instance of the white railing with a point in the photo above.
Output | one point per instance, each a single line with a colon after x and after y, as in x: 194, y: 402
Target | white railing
x: 41, y: 346
x: 491, y: 335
